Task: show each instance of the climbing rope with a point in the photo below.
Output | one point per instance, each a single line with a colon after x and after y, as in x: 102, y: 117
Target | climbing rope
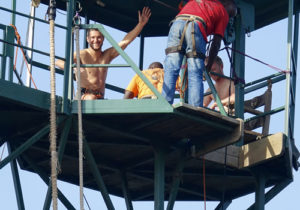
x: 184, y: 82
x: 53, y: 134
x: 80, y: 132
x: 18, y: 37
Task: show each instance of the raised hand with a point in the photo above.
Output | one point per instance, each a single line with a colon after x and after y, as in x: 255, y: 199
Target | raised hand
x: 144, y: 16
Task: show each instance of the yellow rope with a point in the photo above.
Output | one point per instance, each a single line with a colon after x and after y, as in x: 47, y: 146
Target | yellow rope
x: 53, y: 133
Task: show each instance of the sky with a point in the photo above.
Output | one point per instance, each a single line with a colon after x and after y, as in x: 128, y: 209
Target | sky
x: 268, y: 44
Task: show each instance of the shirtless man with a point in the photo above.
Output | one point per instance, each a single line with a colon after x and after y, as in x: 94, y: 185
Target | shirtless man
x: 223, y: 86
x: 93, y: 79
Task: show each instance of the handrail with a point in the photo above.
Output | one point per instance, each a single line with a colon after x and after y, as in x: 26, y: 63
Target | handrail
x: 28, y: 16
x: 28, y: 48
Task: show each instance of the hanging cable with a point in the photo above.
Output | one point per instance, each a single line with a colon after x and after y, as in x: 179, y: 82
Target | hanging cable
x: 80, y: 135
x: 53, y: 134
x: 262, y: 62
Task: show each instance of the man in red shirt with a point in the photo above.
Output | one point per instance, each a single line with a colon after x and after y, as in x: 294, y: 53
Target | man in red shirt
x: 188, y: 36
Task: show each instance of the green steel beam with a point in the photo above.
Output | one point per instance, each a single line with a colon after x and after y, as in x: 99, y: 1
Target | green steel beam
x: 61, y: 150
x: 3, y: 59
x: 23, y: 95
x: 176, y: 182
x: 118, y: 132
x: 16, y: 179
x: 159, y: 176
x: 223, y: 206
x: 260, y: 191
x: 28, y: 143
x: 10, y: 35
x: 274, y: 191
x: 142, y: 46
x: 294, y: 76
x: 125, y: 190
x: 46, y: 67
x: 43, y: 175
x: 183, y: 189
x: 114, y: 88
x: 28, y: 16
x: 265, y: 83
x: 273, y: 111
x: 263, y: 79
x: 11, y: 43
x: 239, y: 66
x: 215, y: 93
x: 97, y: 175
x: 67, y: 84
x: 122, y: 106
x: 13, y: 15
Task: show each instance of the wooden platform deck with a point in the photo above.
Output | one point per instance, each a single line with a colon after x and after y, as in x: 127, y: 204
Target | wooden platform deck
x: 122, y: 136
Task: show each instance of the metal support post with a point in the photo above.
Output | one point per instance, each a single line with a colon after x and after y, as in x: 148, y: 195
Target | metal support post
x: 159, y: 177
x: 223, y: 205
x: 4, y: 58
x: 16, y: 179
x: 97, y: 176
x: 142, y: 45
x: 13, y: 15
x: 239, y: 66
x: 260, y: 191
x: 125, y: 190
x: 68, y: 55
x: 176, y: 182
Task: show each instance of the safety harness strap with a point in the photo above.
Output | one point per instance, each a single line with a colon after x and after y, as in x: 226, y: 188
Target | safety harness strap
x: 194, y: 53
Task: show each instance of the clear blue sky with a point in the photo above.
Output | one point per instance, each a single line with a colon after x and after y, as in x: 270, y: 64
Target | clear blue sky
x: 268, y: 44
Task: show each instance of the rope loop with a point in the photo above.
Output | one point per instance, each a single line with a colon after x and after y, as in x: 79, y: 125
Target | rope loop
x: 76, y: 19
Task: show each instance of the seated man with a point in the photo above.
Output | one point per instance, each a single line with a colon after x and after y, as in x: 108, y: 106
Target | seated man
x: 93, y: 79
x: 137, y: 87
x: 224, y: 87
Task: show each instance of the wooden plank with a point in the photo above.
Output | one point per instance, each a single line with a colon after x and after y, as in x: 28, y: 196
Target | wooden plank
x: 232, y: 156
x: 219, y: 142
x: 261, y: 150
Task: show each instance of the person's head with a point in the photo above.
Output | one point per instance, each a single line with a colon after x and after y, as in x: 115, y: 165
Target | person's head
x: 95, y: 38
x: 230, y: 7
x: 155, y: 65
x: 217, y: 67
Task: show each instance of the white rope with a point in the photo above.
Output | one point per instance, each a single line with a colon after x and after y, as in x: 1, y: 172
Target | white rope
x: 53, y: 119
x: 80, y: 135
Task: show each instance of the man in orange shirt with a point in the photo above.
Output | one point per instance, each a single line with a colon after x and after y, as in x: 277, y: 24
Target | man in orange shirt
x: 137, y: 87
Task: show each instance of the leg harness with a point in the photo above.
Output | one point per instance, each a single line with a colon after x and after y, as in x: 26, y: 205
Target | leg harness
x: 178, y: 48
